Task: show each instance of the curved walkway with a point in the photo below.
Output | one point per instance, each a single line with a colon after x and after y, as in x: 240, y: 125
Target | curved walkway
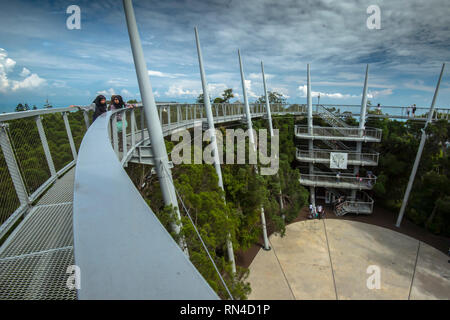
x: 329, y: 259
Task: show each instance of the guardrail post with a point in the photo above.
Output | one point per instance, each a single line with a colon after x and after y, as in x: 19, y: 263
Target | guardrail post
x: 168, y: 116
x: 124, y: 134
x: 114, y: 134
x: 133, y: 131
x: 142, y: 124
x: 44, y: 142
x: 86, y: 119
x: 13, y: 167
x: 69, y: 135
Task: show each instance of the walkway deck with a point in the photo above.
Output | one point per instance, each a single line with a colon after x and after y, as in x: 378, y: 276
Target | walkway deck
x: 35, y: 257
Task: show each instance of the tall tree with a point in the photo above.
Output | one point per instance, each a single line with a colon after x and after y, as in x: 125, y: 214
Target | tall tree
x: 274, y: 97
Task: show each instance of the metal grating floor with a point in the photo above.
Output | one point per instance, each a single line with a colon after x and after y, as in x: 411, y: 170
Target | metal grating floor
x: 35, y: 257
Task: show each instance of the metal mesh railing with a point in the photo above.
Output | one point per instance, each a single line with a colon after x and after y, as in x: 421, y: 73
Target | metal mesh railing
x: 339, y: 132
x: 38, y: 148
x: 9, y: 201
x: 29, y: 153
x: 58, y: 141
x: 352, y: 156
x: 338, y: 180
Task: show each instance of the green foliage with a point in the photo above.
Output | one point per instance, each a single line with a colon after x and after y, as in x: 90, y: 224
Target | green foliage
x: 274, y: 97
x: 428, y: 202
x: 21, y: 107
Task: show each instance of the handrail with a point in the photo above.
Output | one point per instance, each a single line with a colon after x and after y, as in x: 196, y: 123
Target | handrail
x: 330, y: 117
x: 325, y: 155
x: 356, y: 205
x: 352, y: 132
x: 343, y: 178
x: 120, y: 246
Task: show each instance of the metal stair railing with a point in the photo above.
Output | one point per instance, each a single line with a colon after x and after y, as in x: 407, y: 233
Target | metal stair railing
x: 330, y: 117
x: 344, y: 180
x: 350, y: 132
x: 364, y: 205
x: 324, y: 154
x: 336, y: 144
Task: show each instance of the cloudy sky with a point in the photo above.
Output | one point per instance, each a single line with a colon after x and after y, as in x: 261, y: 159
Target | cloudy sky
x: 40, y: 56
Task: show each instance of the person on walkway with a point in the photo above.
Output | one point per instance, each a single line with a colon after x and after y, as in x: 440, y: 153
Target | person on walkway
x: 121, y: 123
x: 408, y: 110
x: 310, y: 215
x: 319, y: 211
x: 378, y: 109
x: 414, y: 108
x: 98, y: 105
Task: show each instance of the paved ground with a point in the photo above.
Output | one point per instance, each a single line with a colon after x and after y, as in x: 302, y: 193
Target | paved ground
x: 329, y: 259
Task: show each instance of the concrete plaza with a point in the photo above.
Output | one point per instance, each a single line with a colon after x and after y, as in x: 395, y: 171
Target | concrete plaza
x: 333, y: 259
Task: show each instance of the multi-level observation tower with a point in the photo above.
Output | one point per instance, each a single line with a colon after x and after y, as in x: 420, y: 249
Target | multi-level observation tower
x: 338, y: 157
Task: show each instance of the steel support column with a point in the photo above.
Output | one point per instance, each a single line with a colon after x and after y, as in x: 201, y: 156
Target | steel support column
x: 362, y: 124
x: 310, y: 130
x: 212, y: 132
x: 419, y: 153
x: 252, y: 142
x: 269, y: 115
x: 151, y: 115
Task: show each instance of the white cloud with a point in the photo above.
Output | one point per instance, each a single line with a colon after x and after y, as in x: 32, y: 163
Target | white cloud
x: 192, y: 88
x: 59, y: 84
x: 25, y: 72
x: 418, y: 85
x: 250, y: 92
x: 176, y: 91
x: 258, y: 76
x: 303, y: 93
x: 164, y: 75
x: 375, y: 94
x: 125, y: 93
x: 109, y: 92
x: 31, y: 81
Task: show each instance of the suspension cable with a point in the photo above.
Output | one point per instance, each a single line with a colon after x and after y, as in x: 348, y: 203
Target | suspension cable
x: 198, y: 234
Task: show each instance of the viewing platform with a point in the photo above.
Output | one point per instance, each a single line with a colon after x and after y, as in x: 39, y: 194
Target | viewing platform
x: 342, y: 134
x: 332, y: 180
x: 363, y: 204
x: 323, y: 156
